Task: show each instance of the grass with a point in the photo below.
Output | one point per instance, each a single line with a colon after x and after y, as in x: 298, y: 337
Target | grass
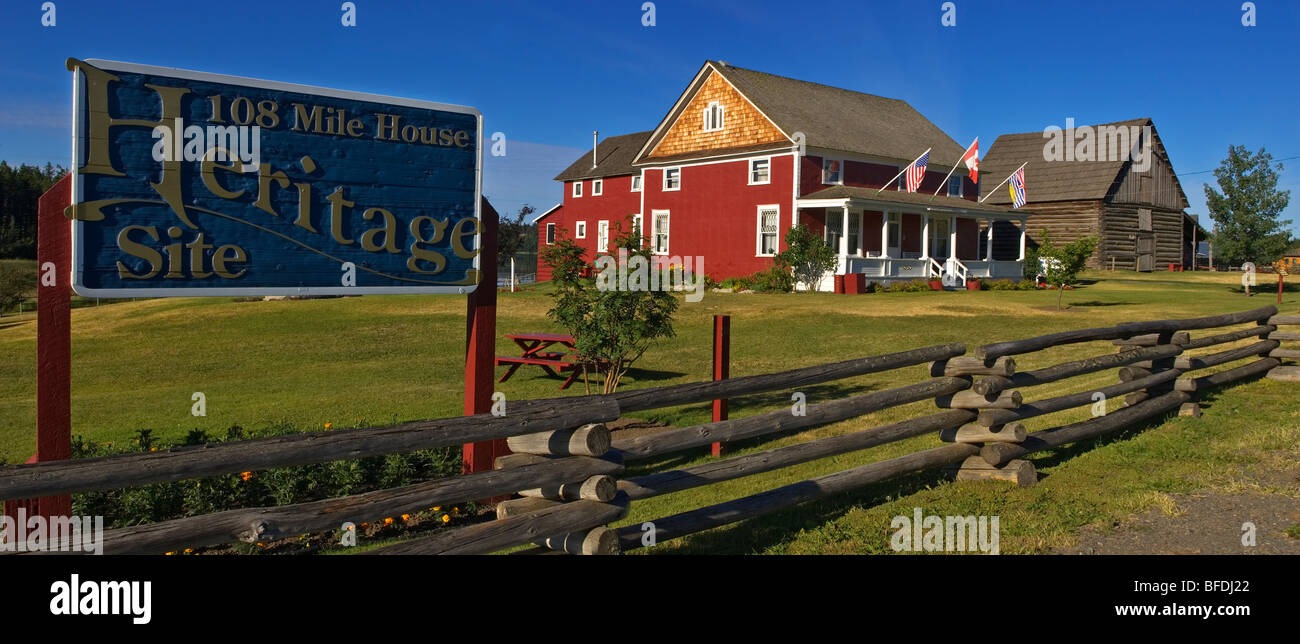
x: 378, y: 359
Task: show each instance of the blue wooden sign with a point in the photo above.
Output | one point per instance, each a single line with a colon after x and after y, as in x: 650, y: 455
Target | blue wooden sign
x: 187, y: 183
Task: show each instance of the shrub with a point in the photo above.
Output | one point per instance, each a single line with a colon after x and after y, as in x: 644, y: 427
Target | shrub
x: 15, y: 283
x: 806, y: 256
x: 912, y: 286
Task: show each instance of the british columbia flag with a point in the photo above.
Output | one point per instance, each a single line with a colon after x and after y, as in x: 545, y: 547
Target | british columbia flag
x: 1018, y: 188
x: 916, y: 172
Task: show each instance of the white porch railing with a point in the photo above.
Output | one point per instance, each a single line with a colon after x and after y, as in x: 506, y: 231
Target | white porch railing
x: 955, y: 267
x: 936, y: 269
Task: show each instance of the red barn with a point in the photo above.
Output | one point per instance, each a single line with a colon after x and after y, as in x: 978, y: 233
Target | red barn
x: 743, y: 155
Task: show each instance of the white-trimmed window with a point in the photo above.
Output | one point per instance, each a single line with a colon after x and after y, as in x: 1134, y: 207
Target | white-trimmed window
x: 596, y: 185
x: 550, y: 234
x: 760, y: 171
x: 954, y: 186
x: 714, y: 115
x: 577, y: 188
x: 636, y: 183
x: 672, y: 179
x: 659, y: 232
x: 636, y: 225
x: 834, y: 228
x: 939, y: 238
x: 833, y: 171
x: 602, y: 236
x: 580, y: 230
x: 769, y: 222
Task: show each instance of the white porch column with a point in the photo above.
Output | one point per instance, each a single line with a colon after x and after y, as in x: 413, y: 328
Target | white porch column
x: 1023, y: 228
x: 925, y: 238
x: 988, y: 243
x: 952, y: 238
x: 884, y: 233
x: 844, y: 232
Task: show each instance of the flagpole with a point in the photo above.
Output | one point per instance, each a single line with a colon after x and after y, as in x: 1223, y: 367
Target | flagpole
x: 995, y: 188
x: 900, y: 172
x: 954, y: 169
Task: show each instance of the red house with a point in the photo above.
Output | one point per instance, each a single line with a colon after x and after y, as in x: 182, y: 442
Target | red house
x: 743, y: 155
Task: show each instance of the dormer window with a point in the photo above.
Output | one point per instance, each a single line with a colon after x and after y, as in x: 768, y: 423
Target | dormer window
x: 714, y: 115
x: 954, y: 187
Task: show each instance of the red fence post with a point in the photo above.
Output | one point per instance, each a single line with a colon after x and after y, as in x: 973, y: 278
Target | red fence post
x: 1279, y: 289
x: 480, y: 347
x: 721, y: 370
x: 54, y: 335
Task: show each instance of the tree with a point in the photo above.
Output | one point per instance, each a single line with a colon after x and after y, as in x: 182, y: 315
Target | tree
x: 20, y: 190
x: 15, y: 283
x: 1061, y: 265
x: 511, y: 238
x: 807, y: 256
x: 611, y: 328
x: 1245, y: 214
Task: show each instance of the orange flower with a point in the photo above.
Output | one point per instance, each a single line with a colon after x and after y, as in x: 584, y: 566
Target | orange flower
x: 406, y: 517
x: 388, y: 521
x: 329, y: 425
x: 170, y: 554
x: 189, y: 550
x: 446, y: 518
x: 246, y: 475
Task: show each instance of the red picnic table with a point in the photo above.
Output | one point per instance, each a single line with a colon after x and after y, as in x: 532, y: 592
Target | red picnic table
x: 535, y: 352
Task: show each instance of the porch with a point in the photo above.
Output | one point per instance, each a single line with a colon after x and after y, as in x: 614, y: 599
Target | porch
x: 906, y: 236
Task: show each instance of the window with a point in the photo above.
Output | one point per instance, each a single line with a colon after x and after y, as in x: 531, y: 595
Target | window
x: 636, y: 225
x: 760, y: 171
x: 602, y: 236
x: 580, y: 230
x: 672, y: 179
x: 855, y: 233
x: 636, y: 183
x: 550, y: 234
x: 769, y: 218
x: 895, y: 231
x: 596, y: 186
x: 939, y: 238
x: 954, y: 186
x: 834, y: 228
x: 659, y: 232
x: 577, y: 188
x: 713, y: 116
x: 831, y: 171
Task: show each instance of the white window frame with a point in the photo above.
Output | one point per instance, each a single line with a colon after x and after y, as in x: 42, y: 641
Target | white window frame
x: 753, y: 163
x: 679, y: 179
x: 939, y: 240
x: 826, y: 172
x: 712, y: 124
x: 776, y: 234
x: 577, y: 188
x: 596, y: 186
x: 838, y: 218
x: 654, y: 231
x: 550, y: 234
x: 636, y: 183
x: 855, y: 237
x: 602, y: 236
x: 580, y: 229
x: 637, y: 226
x: 961, y: 186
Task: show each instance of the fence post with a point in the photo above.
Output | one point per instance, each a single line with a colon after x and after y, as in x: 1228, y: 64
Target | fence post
x: 721, y: 370
x: 480, y: 346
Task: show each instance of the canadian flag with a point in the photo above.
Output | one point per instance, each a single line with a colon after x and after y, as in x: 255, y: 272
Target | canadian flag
x: 972, y: 159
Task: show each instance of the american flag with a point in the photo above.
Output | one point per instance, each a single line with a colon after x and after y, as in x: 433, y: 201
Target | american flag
x: 1018, y: 188
x: 916, y: 172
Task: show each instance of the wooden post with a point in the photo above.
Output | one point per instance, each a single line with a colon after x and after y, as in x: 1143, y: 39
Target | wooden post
x: 721, y: 370
x: 480, y: 347
x: 54, y: 336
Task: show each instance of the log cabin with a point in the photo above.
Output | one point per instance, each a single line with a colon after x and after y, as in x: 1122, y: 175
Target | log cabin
x: 742, y: 156
x: 1135, y: 207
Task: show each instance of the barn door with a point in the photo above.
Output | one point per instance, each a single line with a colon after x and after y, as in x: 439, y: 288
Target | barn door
x: 1146, y: 242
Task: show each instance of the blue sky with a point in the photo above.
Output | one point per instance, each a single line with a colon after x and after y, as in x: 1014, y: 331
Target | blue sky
x: 548, y: 73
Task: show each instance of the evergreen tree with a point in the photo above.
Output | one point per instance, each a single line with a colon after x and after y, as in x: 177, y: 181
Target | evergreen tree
x: 1245, y: 213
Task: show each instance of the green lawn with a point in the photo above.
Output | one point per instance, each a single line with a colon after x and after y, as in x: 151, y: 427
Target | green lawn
x: 379, y: 359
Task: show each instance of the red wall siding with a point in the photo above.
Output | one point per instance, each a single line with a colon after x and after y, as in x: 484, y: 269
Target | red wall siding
x: 614, y: 204
x: 715, y: 213
x: 871, y: 222
x: 911, y: 233
x: 968, y: 238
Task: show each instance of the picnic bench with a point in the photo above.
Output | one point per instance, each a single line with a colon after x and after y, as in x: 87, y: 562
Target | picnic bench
x: 536, y: 352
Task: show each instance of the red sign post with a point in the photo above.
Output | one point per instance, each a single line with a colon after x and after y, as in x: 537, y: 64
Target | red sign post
x: 721, y: 370
x: 480, y: 347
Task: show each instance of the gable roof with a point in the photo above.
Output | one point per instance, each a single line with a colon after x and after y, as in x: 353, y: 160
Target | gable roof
x: 829, y: 117
x: 614, y: 156
x: 542, y: 216
x: 1055, y: 180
